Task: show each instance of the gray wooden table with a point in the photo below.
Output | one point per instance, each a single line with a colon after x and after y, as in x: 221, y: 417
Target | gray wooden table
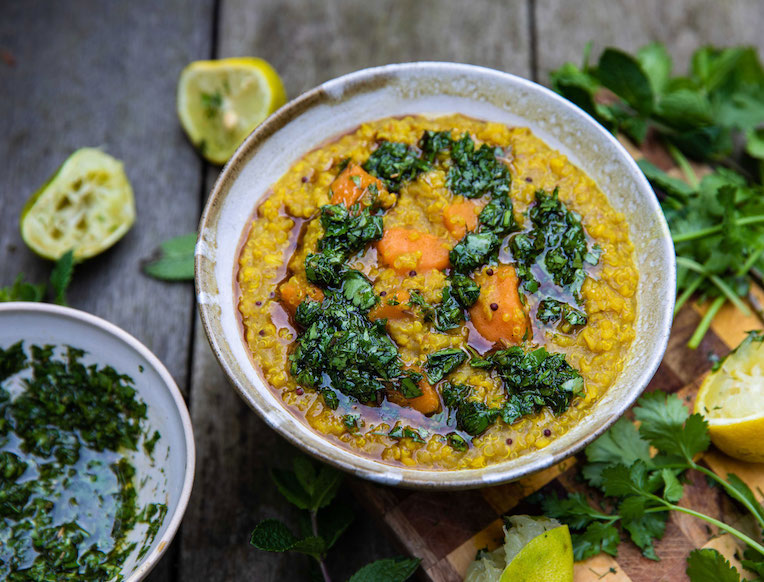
x: 104, y: 72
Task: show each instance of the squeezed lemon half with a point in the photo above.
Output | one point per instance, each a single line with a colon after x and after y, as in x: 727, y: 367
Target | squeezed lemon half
x: 536, y: 549
x: 220, y: 102
x: 86, y: 205
x: 732, y: 400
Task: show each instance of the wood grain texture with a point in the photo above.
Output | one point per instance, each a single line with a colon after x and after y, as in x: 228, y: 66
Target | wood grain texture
x: 564, y: 27
x: 311, y: 42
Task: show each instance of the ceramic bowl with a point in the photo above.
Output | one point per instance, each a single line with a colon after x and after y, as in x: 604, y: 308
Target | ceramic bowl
x: 340, y: 106
x: 165, y: 477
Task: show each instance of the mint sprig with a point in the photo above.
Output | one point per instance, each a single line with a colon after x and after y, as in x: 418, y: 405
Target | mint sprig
x: 313, y: 489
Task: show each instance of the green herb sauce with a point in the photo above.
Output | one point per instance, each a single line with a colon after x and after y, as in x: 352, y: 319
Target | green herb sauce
x: 67, y: 497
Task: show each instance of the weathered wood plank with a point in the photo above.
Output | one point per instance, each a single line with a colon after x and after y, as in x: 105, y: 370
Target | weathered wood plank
x: 308, y: 43
x: 103, y: 74
x: 564, y: 28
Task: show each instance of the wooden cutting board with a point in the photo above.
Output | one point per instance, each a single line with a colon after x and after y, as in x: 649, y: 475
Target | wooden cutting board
x: 446, y: 530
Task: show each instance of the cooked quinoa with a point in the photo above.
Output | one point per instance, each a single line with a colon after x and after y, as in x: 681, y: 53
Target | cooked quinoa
x: 283, y: 233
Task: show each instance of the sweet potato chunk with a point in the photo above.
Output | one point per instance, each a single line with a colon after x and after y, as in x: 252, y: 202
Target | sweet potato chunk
x: 292, y: 294
x: 498, y: 314
x: 461, y: 217
x: 406, y: 249
x: 383, y: 309
x: 429, y: 401
x: 350, y: 185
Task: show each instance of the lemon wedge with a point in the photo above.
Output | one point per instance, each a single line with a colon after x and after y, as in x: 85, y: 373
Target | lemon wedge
x: 536, y: 549
x: 220, y: 102
x: 732, y: 400
x: 86, y: 205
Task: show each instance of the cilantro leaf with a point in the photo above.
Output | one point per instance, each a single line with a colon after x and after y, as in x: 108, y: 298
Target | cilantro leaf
x: 597, y: 537
x: 620, y: 444
x: 646, y: 528
x: 667, y: 426
x: 573, y: 509
x: 388, y: 570
x: 708, y: 565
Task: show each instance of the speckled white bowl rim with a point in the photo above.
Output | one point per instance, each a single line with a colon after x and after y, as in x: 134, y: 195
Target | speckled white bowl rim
x: 152, y: 558
x: 339, y: 106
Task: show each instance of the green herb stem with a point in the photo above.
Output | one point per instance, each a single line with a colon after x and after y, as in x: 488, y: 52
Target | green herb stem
x: 684, y: 165
x: 712, y: 230
x: 720, y: 524
x: 721, y: 285
x: 321, y: 564
x: 731, y: 491
x: 705, y: 323
x: 748, y: 265
x: 687, y: 293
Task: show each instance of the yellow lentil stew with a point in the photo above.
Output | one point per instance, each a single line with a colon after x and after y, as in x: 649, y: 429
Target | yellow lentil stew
x: 438, y: 292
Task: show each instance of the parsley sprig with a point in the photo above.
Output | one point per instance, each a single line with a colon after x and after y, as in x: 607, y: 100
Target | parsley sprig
x: 639, y: 489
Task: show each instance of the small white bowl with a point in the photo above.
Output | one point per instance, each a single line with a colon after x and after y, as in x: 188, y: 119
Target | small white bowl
x: 169, y: 476
x: 340, y: 106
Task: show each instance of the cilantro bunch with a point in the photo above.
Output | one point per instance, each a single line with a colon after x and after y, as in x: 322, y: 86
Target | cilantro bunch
x: 715, y: 115
x: 639, y: 489
x: 313, y: 490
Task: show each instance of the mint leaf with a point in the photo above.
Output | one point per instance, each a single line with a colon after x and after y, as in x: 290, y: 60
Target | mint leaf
x: 175, y: 261
x: 389, y: 570
x: 333, y: 522
x: 710, y: 566
x: 305, y: 473
x: 621, y: 444
x: 61, y: 276
x: 667, y: 426
x: 624, y: 76
x: 313, y: 546
x: 597, y: 537
x: 22, y: 291
x: 272, y: 535
x: 655, y: 61
x: 289, y: 486
x: 328, y: 481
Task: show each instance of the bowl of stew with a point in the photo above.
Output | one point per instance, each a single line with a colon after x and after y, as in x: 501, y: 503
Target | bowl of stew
x: 435, y: 275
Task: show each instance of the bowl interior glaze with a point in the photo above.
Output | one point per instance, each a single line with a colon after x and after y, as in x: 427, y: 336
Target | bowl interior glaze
x: 165, y: 477
x: 340, y: 106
